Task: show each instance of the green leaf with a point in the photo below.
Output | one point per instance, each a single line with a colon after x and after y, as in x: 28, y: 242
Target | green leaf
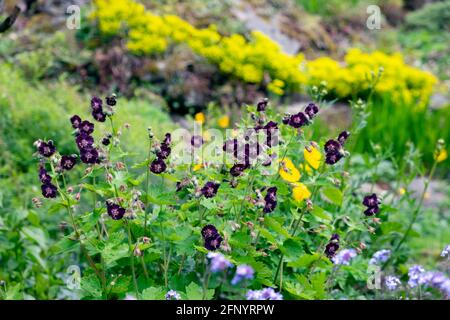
x: 291, y: 248
x: 195, y: 292
x: 113, y: 253
x: 320, y: 213
x: 90, y: 285
x: 332, y: 195
x: 275, y: 226
x: 304, y: 261
x: 153, y: 293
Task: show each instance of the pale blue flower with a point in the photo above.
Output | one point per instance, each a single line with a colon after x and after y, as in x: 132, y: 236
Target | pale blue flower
x: 242, y: 272
x: 172, y: 295
x: 344, y: 256
x: 380, y: 257
x: 392, y: 282
x: 218, y: 262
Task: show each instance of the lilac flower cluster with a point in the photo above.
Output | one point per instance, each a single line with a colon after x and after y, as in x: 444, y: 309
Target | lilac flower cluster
x: 173, y: 295
x: 371, y: 202
x: 218, y: 262
x: 432, y: 279
x: 414, y: 274
x: 380, y: 257
x: 332, y: 246
x: 243, y: 272
x: 334, y: 149
x: 211, y: 237
x: 392, y: 282
x: 344, y: 257
x: 158, y: 165
x: 270, y: 200
x: 264, y: 294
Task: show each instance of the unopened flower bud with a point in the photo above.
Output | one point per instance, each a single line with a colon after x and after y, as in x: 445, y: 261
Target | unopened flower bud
x: 137, y: 252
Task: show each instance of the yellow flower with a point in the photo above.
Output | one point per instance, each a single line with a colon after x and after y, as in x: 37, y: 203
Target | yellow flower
x: 223, y: 122
x: 300, y: 192
x: 200, y: 117
x: 288, y: 171
x: 441, y: 155
x: 401, y: 191
x: 197, y: 167
x: 312, y: 156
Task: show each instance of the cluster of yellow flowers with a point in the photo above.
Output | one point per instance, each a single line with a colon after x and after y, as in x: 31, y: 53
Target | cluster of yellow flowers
x: 400, y: 81
x: 251, y: 60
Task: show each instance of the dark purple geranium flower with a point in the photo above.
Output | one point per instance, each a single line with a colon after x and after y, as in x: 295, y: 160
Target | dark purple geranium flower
x: 100, y: 116
x: 371, y: 200
x: 270, y: 200
x: 75, y: 120
x: 89, y: 155
x: 86, y: 127
x: 49, y: 190
x: 158, y: 166
x: 106, y: 141
x: 343, y: 136
x: 84, y: 141
x: 332, y: 146
x: 332, y: 247
x: 46, y: 149
x: 298, y: 120
x: 311, y: 110
x: 332, y: 157
x: 44, y: 177
x: 261, y: 106
x: 96, y: 104
x: 196, y: 141
x: 209, y: 190
x: 213, y: 243
x: 209, y: 231
x: 111, y: 100
x: 167, y: 139
x: 211, y: 237
x: 68, y: 162
x: 371, y: 211
x: 164, y: 151
x: 115, y: 211
x: 237, y: 169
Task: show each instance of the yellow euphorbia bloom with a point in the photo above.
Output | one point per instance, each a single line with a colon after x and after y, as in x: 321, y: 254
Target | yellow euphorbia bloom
x: 300, y: 192
x: 441, y: 155
x: 223, y: 122
x: 200, y: 117
x: 288, y: 171
x: 313, y: 157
